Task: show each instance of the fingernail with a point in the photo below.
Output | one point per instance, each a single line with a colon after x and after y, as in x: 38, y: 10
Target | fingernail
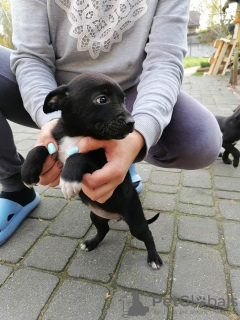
x: 60, y: 165
x: 72, y: 151
x: 54, y: 156
x: 51, y: 148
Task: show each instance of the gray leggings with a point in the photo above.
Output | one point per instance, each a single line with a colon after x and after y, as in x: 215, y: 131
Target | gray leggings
x: 192, y: 140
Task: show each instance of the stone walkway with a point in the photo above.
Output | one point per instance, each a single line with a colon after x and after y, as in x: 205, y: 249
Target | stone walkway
x: 44, y: 274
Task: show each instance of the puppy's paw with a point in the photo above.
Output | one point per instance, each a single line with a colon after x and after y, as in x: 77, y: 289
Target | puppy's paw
x: 154, y: 261
x: 30, y: 178
x: 227, y: 161
x: 69, y: 189
x: 89, y: 245
x: 235, y: 163
x: 31, y: 185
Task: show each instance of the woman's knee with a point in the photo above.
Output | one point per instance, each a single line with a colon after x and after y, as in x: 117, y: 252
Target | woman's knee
x: 192, y: 140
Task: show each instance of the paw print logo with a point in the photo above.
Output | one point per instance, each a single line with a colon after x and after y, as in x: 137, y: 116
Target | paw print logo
x: 98, y: 24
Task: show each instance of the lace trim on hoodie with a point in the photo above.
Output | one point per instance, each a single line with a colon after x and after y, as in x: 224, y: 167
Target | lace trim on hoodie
x: 97, y: 24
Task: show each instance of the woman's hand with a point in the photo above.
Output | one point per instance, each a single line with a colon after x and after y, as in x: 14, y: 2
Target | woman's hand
x: 51, y: 169
x: 120, y: 154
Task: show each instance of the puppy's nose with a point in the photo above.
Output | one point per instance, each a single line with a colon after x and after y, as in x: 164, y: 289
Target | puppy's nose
x: 129, y: 121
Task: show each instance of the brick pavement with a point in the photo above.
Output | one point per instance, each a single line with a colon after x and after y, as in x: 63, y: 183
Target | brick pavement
x: 44, y: 274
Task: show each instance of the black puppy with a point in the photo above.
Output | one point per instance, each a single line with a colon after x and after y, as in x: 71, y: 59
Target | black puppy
x: 93, y: 105
x: 230, y: 127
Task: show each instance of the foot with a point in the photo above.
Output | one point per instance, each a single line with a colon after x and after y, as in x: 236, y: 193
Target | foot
x: 90, y: 245
x: 154, y: 261
x: 14, y: 208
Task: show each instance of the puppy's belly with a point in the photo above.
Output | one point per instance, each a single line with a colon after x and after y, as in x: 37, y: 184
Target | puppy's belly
x: 104, y: 214
x: 65, y: 144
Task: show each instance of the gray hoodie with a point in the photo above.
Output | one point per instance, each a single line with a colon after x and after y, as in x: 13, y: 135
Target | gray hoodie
x: 136, y: 42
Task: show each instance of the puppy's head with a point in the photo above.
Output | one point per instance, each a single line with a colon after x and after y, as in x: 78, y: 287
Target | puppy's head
x: 93, y: 105
x: 237, y: 114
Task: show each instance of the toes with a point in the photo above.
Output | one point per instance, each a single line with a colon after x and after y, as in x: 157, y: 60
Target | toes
x: 83, y: 246
x: 69, y: 189
x: 155, y: 263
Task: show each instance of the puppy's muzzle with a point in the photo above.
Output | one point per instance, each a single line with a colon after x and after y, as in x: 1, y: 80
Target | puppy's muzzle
x: 118, y: 128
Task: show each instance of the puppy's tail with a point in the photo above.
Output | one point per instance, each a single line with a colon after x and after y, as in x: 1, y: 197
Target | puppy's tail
x: 153, y: 219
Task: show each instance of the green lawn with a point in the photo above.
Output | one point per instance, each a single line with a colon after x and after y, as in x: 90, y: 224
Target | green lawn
x: 193, y: 62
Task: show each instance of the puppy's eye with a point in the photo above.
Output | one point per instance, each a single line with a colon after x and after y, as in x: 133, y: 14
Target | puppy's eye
x: 102, y: 99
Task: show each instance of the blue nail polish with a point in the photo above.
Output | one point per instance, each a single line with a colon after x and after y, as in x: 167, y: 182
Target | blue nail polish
x: 72, y: 151
x: 51, y: 148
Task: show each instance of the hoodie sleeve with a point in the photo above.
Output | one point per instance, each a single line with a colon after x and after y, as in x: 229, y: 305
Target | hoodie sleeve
x: 162, y: 73
x: 33, y: 62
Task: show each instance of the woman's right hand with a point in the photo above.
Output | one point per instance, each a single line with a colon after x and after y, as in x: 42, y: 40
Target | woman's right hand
x: 52, y: 168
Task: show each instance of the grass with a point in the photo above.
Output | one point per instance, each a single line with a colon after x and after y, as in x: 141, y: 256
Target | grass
x: 193, y: 62
x: 198, y: 74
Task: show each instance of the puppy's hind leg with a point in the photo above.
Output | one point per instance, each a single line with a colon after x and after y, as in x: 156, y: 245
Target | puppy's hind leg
x: 138, y: 226
x: 102, y: 227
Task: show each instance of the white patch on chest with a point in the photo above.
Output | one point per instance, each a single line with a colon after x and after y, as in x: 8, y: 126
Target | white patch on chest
x: 70, y: 189
x: 66, y: 144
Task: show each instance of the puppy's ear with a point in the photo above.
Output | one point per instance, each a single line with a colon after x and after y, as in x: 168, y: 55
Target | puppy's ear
x: 53, y: 99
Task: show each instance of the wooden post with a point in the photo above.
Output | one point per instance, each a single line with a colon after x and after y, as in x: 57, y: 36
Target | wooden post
x: 235, y: 67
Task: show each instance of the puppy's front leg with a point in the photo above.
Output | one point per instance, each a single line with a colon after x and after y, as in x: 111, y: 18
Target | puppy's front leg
x: 71, y: 176
x: 32, y: 166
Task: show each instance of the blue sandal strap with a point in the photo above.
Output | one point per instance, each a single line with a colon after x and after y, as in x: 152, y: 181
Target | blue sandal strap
x: 12, y: 214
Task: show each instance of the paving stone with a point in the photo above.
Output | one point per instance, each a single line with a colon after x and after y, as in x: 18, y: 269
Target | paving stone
x: 123, y: 306
x: 198, y: 274
x: 232, y: 243
x: 230, y: 209
x: 197, y: 179
x: 54, y: 192
x: 196, y: 209
x: 40, y: 189
x: 198, y: 229
x: 16, y: 128
x: 5, y: 272
x: 52, y: 253
x: 118, y: 225
x: 162, y: 231
x: 33, y: 131
x: 196, y: 196
x: 22, y: 240
x: 224, y: 170
x: 235, y: 283
x: 229, y: 184
x: 102, y: 261
x: 190, y: 313
x: 77, y: 300
x: 166, y: 178
x: 167, y: 169
x: 228, y: 195
x: 156, y: 201
x: 25, y: 295
x: 25, y: 144
x: 74, y: 221
x: 135, y: 273
x: 48, y: 208
x: 163, y: 188
x: 144, y: 170
x: 21, y: 136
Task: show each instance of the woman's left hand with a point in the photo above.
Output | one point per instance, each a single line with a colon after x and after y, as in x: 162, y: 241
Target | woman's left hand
x: 120, y: 154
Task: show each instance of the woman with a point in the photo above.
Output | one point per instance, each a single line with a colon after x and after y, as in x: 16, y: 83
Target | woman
x: 139, y: 43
